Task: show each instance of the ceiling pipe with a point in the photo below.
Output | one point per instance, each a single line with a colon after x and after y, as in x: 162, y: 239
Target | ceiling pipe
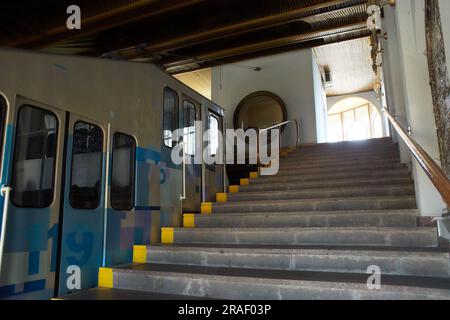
x: 233, y: 29
x: 269, y: 44
x: 126, y: 14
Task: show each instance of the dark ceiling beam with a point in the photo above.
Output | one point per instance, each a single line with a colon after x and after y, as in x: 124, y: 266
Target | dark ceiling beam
x: 303, y: 45
x: 124, y: 15
x: 231, y: 30
x: 265, y: 45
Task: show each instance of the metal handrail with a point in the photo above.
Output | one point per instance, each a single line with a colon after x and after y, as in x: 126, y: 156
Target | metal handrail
x: 285, y: 123
x: 5, y: 192
x: 431, y: 168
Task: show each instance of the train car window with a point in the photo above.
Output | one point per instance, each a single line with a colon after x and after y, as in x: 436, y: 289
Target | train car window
x: 213, y: 134
x: 2, y: 124
x: 34, y: 158
x: 170, y: 112
x: 189, y: 115
x: 123, y: 172
x: 87, y: 155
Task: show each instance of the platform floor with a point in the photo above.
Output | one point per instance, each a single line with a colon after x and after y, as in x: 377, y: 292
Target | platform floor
x: 118, y: 294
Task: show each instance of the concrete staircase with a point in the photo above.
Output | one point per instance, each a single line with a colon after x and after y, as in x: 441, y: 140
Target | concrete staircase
x: 310, y: 232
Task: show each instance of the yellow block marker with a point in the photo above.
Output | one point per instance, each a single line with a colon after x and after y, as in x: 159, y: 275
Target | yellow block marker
x: 234, y: 189
x: 105, y: 278
x: 254, y: 175
x: 166, y: 235
x: 245, y: 182
x: 189, y: 220
x: 221, y: 197
x: 288, y: 150
x: 139, y: 254
x: 206, y: 207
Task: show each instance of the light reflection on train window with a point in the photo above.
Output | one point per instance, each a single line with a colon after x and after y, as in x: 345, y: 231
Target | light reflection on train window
x: 123, y: 172
x: 85, y: 186
x: 189, y: 115
x: 34, y: 158
x: 170, y: 113
x: 213, y: 134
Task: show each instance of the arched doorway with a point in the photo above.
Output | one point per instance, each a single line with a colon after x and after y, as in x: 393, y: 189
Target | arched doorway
x: 354, y: 119
x: 259, y: 110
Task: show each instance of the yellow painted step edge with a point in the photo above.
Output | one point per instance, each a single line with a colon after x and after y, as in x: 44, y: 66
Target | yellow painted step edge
x: 221, y: 197
x: 105, y: 278
x: 245, y: 182
x: 254, y: 175
x: 206, y: 208
x: 188, y: 220
x: 233, y: 189
x: 139, y: 254
x: 167, y: 235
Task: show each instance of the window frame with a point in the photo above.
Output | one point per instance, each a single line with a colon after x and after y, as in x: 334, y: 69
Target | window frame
x: 176, y: 115
x: 101, y: 166
x: 133, y: 172
x: 212, y: 114
x: 194, y: 106
x: 13, y: 165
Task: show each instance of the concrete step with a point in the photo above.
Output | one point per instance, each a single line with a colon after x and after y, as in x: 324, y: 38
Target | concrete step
x: 341, y: 160
x: 343, y: 147
x: 298, y: 169
x: 376, y: 218
x: 397, y: 237
x: 108, y: 294
x: 401, y: 172
x: 353, y: 203
x: 398, y: 190
x: 353, y: 144
x: 344, y: 154
x: 251, y: 284
x: 348, y: 145
x: 399, y: 262
x: 301, y: 164
x: 386, y: 181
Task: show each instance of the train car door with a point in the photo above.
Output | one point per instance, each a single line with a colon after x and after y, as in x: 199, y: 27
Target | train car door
x: 214, y: 173
x: 84, y: 202
x: 34, y: 176
x: 192, y: 137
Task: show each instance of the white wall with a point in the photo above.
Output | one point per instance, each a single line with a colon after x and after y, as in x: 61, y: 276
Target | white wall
x: 394, y: 95
x: 320, y: 99
x: 289, y: 75
x: 413, y: 74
